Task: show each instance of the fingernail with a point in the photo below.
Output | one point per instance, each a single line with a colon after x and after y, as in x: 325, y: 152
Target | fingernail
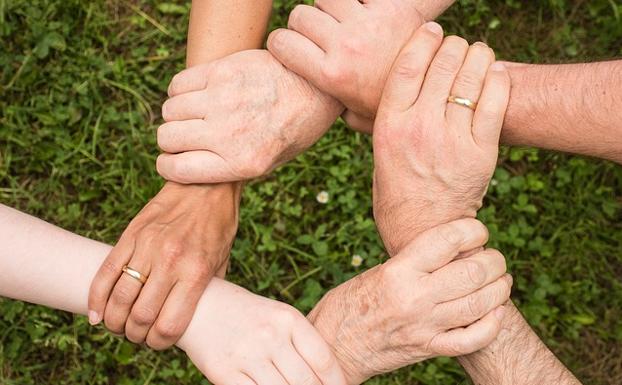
x: 94, y: 318
x: 434, y: 28
x: 500, y: 313
x: 497, y: 66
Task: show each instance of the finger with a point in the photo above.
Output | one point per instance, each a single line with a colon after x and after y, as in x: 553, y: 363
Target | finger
x: 465, y: 276
x: 492, y: 106
x: 190, y: 79
x: 294, y: 369
x: 175, y: 315
x: 315, y: 25
x: 469, y: 84
x: 466, y: 310
x: 190, y: 105
x: 107, y: 276
x: 311, y: 346
x: 474, y: 337
x: 298, y: 54
x: 358, y: 122
x: 436, y: 247
x: 126, y: 290
x: 339, y: 9
x: 408, y: 72
x: 442, y: 73
x: 188, y: 135
x: 266, y: 374
x: 195, y: 167
x: 147, y: 307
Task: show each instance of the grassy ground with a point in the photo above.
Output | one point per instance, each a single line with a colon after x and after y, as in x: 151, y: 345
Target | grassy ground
x: 80, y: 86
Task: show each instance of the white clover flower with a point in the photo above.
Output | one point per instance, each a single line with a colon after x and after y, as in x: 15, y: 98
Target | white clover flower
x: 494, y: 182
x: 357, y: 260
x: 322, y: 197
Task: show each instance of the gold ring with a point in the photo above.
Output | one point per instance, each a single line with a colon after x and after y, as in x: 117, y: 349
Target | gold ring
x: 134, y: 274
x: 464, y: 102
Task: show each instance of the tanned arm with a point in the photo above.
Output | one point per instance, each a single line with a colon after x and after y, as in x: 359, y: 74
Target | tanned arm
x: 574, y: 108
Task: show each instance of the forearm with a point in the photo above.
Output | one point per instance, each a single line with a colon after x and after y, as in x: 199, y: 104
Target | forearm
x: 574, y: 108
x: 431, y: 9
x: 516, y: 357
x: 46, y: 265
x: 222, y: 27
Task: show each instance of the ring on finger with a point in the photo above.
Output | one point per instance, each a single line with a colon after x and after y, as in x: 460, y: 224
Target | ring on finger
x: 135, y: 274
x: 464, y: 102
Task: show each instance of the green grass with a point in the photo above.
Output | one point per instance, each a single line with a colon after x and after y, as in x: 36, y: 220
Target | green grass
x: 80, y: 88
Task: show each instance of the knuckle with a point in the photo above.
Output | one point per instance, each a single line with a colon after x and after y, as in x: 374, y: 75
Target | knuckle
x: 332, y: 73
x: 110, y: 268
x: 475, y: 306
x: 144, y: 316
x: 475, y: 272
x: 497, y: 259
x: 455, y: 347
x: 468, y: 80
x: 295, y: 15
x: 168, y: 329
x: 451, y: 234
x: 407, y: 66
x: 167, y: 111
x: 173, y: 85
x: 123, y: 295
x: 326, y: 361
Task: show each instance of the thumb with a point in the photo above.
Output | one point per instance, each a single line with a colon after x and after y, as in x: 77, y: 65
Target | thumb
x: 438, y: 246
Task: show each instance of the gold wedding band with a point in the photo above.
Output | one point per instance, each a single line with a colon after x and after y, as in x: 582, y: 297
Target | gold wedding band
x: 464, y: 102
x: 134, y: 274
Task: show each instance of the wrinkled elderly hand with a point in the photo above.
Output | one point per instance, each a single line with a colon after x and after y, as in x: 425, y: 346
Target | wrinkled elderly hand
x: 179, y: 240
x: 422, y: 303
x: 239, y: 338
x: 434, y: 159
x: 346, y: 48
x: 238, y: 118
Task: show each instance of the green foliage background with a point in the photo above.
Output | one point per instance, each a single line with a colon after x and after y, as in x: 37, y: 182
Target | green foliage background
x: 81, y: 83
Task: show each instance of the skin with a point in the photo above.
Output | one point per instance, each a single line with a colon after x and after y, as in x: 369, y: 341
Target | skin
x: 162, y: 241
x: 374, y: 322
x: 517, y: 356
x: 544, y: 109
x: 236, y: 337
x: 246, y: 116
x: 440, y: 167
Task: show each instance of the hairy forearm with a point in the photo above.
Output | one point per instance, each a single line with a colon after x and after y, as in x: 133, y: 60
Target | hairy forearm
x: 574, y: 108
x: 517, y: 357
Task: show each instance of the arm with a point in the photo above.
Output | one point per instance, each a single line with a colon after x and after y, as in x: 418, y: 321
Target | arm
x: 574, y: 108
x: 219, y: 28
x: 234, y: 337
x: 183, y: 236
x: 516, y: 357
x: 428, y: 153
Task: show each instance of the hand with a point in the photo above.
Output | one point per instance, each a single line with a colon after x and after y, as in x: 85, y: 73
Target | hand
x: 239, y: 338
x: 434, y: 159
x: 422, y: 303
x: 346, y: 49
x: 179, y: 240
x: 238, y: 118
